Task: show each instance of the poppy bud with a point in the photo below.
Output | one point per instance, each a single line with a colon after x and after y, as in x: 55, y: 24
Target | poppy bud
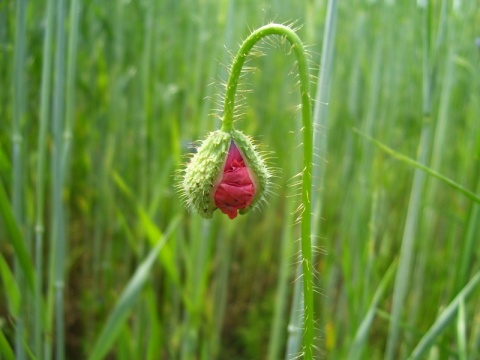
x: 228, y: 173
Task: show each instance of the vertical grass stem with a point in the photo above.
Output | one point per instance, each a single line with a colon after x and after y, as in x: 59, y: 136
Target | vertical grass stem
x: 17, y: 152
x: 45, y: 94
x: 416, y: 196
x: 58, y: 236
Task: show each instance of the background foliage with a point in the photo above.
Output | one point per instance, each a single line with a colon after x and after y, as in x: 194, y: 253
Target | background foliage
x: 108, y: 95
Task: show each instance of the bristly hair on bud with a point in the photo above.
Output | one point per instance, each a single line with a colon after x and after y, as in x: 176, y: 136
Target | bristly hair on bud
x: 227, y: 172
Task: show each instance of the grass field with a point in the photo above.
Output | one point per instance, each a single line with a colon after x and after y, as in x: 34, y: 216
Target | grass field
x: 99, y: 258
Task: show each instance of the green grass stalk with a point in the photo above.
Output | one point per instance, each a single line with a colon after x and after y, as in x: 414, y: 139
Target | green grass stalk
x: 320, y: 112
x: 18, y: 170
x: 361, y: 336
x: 294, y: 340
x: 113, y: 130
x: 407, y: 248
x: 143, y: 100
x: 74, y: 16
x: 227, y: 126
x: 470, y: 243
x: 198, y: 257
x: 155, y: 344
x: 415, y: 201
x: 462, y: 331
x: 45, y: 93
x: 58, y: 238
x: 277, y: 329
x: 146, y: 99
x: 442, y: 126
x: 224, y: 254
x: 362, y: 213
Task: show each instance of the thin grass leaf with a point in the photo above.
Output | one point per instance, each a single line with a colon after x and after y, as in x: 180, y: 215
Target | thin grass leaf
x: 405, y: 264
x: 15, y: 238
x: 420, y: 166
x: 360, y: 340
x: 155, y: 344
x: 224, y: 253
x: 446, y: 317
x: 151, y: 230
x: 124, y: 347
x: 195, y: 285
x: 470, y: 243
x: 5, y: 164
x: 277, y: 329
x: 12, y: 292
x: 124, y: 305
x: 6, y: 351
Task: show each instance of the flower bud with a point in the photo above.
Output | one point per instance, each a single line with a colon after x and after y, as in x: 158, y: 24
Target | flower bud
x: 228, y: 173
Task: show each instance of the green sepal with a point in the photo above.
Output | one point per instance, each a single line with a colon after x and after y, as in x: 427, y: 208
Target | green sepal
x: 202, y: 172
x: 256, y: 166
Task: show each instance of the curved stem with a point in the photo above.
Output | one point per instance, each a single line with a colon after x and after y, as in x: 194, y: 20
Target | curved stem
x: 227, y: 126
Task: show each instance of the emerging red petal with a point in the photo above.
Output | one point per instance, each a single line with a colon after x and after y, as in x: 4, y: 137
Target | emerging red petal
x: 236, y: 189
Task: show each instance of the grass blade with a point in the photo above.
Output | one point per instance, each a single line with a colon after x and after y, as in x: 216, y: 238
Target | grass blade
x: 6, y: 351
x: 277, y: 328
x: 12, y: 292
x: 151, y: 230
x: 407, y: 247
x: 58, y: 238
x: 18, y: 157
x: 444, y: 319
x: 359, y: 342
x: 470, y: 243
x: 45, y: 96
x: 124, y: 305
x: 15, y: 237
x: 422, y: 167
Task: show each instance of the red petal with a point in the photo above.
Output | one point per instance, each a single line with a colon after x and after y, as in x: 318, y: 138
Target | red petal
x: 236, y: 189
x: 233, y: 154
x: 237, y: 176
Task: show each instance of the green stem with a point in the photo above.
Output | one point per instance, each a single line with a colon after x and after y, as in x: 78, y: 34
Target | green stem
x: 18, y: 166
x: 45, y: 95
x: 58, y: 238
x: 227, y: 126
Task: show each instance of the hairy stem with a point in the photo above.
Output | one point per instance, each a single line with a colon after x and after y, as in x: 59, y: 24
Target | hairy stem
x: 227, y: 126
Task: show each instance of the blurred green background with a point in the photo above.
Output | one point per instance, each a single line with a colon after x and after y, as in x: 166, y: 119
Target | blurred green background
x: 99, y: 101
